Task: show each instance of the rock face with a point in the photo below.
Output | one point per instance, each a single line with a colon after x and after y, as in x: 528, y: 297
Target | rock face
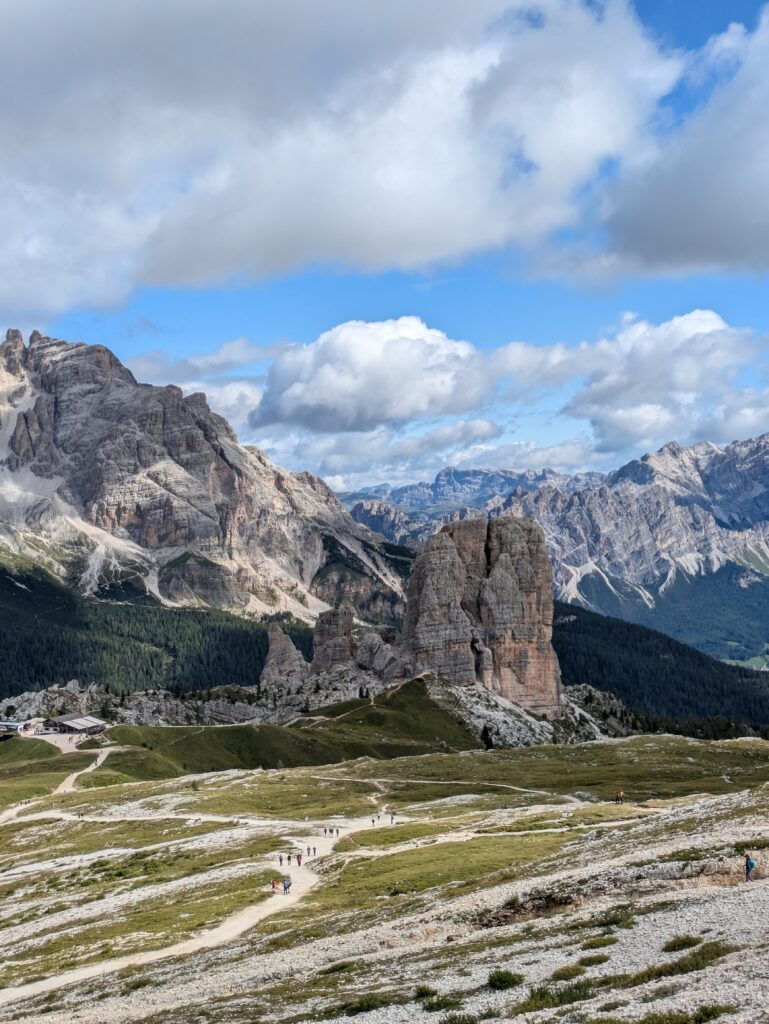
x: 480, y: 610
x: 107, y: 480
x: 285, y: 668
x: 333, y: 639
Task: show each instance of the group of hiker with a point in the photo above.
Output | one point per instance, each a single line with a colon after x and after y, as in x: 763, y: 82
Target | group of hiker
x: 297, y: 856
x: 378, y: 817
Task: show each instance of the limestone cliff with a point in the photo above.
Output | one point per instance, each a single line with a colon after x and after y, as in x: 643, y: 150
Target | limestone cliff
x: 108, y: 481
x: 480, y: 610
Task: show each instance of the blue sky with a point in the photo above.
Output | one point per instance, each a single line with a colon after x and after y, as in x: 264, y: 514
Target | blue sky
x: 407, y: 235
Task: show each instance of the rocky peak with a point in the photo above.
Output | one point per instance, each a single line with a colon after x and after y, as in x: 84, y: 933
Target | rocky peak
x: 285, y: 667
x: 333, y: 643
x: 140, y: 481
x: 480, y: 610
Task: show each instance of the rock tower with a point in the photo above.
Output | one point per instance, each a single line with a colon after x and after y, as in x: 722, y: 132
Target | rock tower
x: 480, y: 610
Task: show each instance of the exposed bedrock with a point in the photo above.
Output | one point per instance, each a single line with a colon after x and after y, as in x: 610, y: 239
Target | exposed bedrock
x: 480, y: 610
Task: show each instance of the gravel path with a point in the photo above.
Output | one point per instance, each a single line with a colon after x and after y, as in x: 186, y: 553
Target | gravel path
x: 303, y: 879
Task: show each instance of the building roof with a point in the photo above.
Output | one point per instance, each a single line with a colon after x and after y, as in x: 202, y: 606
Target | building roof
x: 78, y: 721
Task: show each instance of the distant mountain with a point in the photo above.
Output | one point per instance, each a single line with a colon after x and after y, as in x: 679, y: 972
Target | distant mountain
x: 108, y: 483
x: 455, y: 488
x: 678, y: 540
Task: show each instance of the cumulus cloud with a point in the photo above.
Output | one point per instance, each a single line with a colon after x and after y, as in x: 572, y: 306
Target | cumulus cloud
x: 397, y: 400
x: 700, y: 201
x: 182, y: 143
x: 361, y: 375
x: 350, y: 460
x: 646, y: 383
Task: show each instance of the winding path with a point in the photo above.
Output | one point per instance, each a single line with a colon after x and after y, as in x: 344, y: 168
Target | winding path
x: 303, y: 879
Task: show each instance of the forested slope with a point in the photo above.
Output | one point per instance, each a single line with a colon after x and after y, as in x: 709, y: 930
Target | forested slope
x: 49, y: 634
x: 652, y: 673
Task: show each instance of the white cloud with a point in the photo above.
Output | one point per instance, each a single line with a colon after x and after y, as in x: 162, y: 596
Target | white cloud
x: 187, y: 143
x: 396, y: 400
x: 233, y: 399
x: 701, y: 202
x: 155, y: 366
x: 645, y: 384
x: 361, y: 375
x: 350, y: 460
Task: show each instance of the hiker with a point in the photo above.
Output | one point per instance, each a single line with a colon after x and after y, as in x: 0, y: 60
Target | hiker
x: 298, y: 860
x: 308, y: 851
x: 285, y: 887
x: 392, y: 819
x: 280, y: 859
x: 337, y: 833
x: 373, y: 822
x: 288, y: 859
x: 325, y: 830
x: 274, y: 885
x: 750, y: 867
x: 622, y: 796
x: 315, y: 851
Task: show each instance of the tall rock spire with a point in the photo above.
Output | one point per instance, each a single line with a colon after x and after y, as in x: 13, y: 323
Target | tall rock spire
x: 480, y: 610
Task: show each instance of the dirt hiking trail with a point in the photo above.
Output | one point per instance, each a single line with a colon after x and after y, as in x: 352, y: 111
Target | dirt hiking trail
x: 303, y: 879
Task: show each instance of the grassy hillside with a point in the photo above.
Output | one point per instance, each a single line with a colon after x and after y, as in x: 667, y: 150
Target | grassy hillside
x: 49, y: 634
x: 395, y: 724
x: 652, y: 673
x: 34, y: 768
x: 508, y: 886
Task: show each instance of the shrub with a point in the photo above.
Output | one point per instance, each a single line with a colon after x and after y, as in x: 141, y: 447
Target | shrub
x: 459, y: 1018
x: 343, y: 965
x: 701, y: 1015
x: 424, y: 992
x: 616, y: 917
x: 705, y: 955
x: 600, y: 942
x: 567, y: 973
x: 679, y: 942
x: 545, y: 997
x: 500, y: 980
x: 372, y: 1001
x: 445, y: 1002
x: 593, y: 961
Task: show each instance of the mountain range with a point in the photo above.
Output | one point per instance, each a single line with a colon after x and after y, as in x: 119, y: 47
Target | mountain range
x: 677, y: 540
x: 112, y: 485
x: 122, y: 489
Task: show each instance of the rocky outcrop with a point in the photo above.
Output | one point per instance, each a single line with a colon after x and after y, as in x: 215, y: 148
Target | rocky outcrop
x: 107, y: 480
x: 375, y: 655
x: 480, y: 610
x: 333, y: 643
x: 390, y: 521
x: 285, y: 668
